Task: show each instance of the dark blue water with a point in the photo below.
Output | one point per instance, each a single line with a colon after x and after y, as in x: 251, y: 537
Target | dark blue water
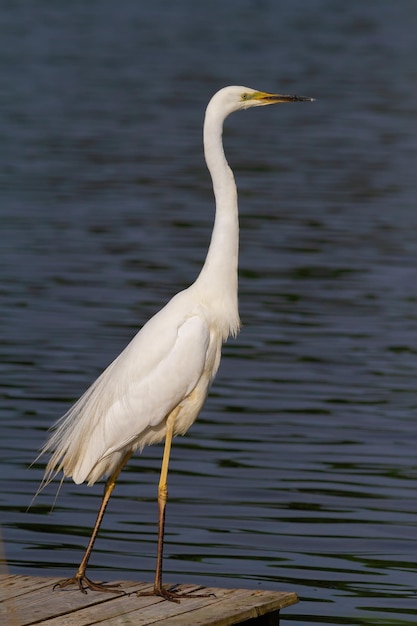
x: 300, y: 473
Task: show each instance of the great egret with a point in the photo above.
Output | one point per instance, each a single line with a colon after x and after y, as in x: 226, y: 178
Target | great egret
x: 155, y: 388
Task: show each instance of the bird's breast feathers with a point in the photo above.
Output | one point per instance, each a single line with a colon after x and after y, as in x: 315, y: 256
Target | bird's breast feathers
x: 183, y: 364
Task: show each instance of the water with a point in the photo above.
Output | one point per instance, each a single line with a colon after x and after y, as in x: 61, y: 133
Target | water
x: 300, y: 473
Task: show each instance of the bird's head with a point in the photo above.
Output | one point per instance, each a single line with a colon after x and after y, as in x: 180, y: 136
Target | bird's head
x: 230, y: 99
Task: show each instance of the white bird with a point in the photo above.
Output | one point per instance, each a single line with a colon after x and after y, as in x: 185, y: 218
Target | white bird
x: 155, y: 389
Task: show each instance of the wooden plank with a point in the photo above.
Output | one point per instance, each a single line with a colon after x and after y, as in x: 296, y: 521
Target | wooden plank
x: 235, y: 606
x: 30, y: 600
x: 13, y: 586
x: 37, y: 602
x: 135, y: 610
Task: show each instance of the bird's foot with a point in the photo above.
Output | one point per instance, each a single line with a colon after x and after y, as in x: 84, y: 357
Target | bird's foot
x: 85, y: 583
x: 172, y: 594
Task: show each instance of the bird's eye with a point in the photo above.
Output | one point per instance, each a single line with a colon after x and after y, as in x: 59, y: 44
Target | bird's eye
x: 245, y: 96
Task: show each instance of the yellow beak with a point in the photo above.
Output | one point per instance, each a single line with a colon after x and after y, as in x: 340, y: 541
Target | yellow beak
x: 273, y: 98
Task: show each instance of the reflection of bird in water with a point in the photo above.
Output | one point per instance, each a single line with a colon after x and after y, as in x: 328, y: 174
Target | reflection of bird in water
x: 156, y: 387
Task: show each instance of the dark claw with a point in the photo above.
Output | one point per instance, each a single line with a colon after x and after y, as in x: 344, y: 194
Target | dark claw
x: 171, y: 595
x: 85, y: 583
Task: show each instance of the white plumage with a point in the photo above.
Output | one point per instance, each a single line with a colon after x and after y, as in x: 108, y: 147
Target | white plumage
x: 170, y: 362
x: 156, y: 387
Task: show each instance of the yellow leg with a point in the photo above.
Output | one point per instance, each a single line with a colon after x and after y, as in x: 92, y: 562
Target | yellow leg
x: 159, y: 590
x: 162, y: 500
x: 80, y: 578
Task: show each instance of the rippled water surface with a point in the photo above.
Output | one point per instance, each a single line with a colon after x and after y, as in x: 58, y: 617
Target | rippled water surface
x: 300, y: 473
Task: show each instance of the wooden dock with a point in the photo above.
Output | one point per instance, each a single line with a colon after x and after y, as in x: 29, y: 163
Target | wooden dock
x: 27, y: 600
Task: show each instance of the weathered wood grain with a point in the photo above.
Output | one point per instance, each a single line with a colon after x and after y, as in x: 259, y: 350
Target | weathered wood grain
x: 25, y: 601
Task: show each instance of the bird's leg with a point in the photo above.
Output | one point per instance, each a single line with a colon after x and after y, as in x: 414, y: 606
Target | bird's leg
x: 80, y: 578
x: 158, y: 589
x: 162, y: 500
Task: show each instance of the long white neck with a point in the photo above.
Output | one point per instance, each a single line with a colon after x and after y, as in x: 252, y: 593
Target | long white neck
x: 219, y: 273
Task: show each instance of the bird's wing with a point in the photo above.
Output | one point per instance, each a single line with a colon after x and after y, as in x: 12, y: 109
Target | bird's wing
x: 148, y: 399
